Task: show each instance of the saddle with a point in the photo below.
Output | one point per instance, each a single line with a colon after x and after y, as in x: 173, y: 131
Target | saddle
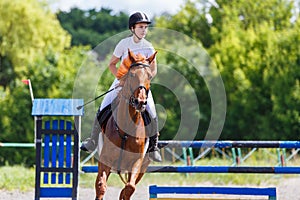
x: 103, y: 116
x: 105, y: 113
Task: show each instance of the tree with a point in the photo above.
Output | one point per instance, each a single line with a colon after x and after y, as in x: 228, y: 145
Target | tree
x: 254, y: 45
x: 190, y: 20
x: 33, y: 45
x: 27, y: 31
x: 249, y: 54
x: 91, y: 27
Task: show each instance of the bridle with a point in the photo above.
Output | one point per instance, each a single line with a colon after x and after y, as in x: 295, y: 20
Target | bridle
x: 138, y: 64
x: 133, y: 101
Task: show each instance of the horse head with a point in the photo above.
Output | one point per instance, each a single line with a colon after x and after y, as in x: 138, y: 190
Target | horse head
x: 135, y: 75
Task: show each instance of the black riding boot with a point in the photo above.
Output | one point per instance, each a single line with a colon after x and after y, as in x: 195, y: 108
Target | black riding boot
x: 153, y: 150
x: 91, y: 143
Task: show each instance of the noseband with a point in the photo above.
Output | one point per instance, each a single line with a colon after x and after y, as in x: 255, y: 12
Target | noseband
x: 134, y: 101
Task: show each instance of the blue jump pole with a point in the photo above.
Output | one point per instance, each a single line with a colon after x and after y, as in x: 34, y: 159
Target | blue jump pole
x: 230, y: 144
x: 220, y: 169
x: 211, y: 169
x: 155, y: 190
x: 223, y: 169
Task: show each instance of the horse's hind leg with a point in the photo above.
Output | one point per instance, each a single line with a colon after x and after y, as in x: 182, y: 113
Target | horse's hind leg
x: 100, y: 184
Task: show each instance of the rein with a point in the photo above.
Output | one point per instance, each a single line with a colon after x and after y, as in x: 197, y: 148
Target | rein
x: 124, y: 138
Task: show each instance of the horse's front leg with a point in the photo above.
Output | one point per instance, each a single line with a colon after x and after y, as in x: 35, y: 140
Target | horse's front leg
x: 100, y: 184
x: 143, y: 170
x: 134, y: 178
x: 129, y: 188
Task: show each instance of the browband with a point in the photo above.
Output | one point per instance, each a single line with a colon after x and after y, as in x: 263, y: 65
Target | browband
x: 137, y: 64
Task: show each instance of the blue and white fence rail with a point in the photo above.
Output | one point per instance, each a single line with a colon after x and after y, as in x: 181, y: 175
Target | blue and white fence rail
x: 210, y: 169
x: 220, y: 169
x: 155, y: 191
x: 231, y: 144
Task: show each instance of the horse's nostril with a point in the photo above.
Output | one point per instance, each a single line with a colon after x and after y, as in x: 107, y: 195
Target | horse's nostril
x: 136, y: 101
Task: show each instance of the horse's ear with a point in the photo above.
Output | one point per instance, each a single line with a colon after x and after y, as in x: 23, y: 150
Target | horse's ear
x: 132, y: 56
x: 152, y: 57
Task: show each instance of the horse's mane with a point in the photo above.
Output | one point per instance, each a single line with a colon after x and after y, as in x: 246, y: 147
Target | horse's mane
x: 125, y: 65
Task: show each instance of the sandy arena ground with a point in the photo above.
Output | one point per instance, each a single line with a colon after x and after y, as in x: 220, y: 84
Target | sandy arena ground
x: 288, y: 189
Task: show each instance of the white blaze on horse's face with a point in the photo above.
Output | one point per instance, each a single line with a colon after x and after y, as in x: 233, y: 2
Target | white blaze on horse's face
x: 139, y: 77
x: 140, y: 81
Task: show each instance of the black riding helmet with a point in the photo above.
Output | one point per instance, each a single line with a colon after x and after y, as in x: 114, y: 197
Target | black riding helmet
x: 138, y: 17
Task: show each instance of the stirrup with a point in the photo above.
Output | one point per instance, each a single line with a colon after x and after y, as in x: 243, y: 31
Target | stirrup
x: 155, y: 155
x: 89, y: 148
x: 83, y: 148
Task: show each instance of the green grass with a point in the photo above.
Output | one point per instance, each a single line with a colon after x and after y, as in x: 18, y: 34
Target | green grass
x: 17, y: 178
x: 21, y: 178
x: 87, y: 180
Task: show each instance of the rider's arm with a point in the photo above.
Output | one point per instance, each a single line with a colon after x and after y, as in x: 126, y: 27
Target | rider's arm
x: 113, y: 65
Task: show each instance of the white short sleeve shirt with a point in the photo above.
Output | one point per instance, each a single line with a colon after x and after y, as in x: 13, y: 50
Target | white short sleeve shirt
x: 143, y: 47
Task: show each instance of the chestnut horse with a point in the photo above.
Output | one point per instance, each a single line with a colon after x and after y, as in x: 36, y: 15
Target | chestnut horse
x: 125, y: 137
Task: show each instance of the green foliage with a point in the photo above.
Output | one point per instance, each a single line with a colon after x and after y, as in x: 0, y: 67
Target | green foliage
x: 33, y: 45
x: 189, y: 20
x: 249, y: 55
x: 172, y: 102
x: 254, y: 44
x: 92, y: 27
x: 28, y: 31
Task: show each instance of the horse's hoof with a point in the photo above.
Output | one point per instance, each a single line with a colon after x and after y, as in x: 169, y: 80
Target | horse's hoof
x: 130, y: 188
x: 127, y: 192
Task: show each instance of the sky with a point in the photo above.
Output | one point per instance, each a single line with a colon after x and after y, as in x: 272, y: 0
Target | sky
x: 151, y: 8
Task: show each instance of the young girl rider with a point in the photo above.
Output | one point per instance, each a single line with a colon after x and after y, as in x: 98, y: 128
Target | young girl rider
x: 138, y: 25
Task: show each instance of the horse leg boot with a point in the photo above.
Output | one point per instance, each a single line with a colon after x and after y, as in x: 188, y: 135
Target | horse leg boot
x: 153, y: 150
